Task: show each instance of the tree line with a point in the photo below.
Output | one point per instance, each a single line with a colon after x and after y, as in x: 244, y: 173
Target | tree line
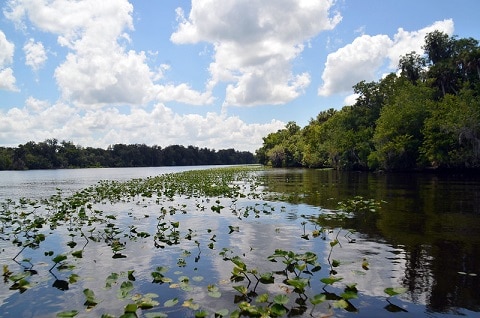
x: 51, y: 154
x: 426, y: 115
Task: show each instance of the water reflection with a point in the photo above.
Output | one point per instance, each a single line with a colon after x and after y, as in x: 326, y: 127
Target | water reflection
x: 434, y: 220
x: 415, y: 240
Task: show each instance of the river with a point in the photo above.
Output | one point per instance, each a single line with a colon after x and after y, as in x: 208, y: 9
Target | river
x: 428, y: 230
x: 43, y: 183
x: 425, y: 237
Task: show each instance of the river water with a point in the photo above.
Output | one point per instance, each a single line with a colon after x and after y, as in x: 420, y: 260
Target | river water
x: 427, y: 233
x: 425, y: 237
x: 43, y: 183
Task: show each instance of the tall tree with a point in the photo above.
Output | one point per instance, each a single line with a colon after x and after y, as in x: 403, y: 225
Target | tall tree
x: 399, y: 132
x: 412, y: 66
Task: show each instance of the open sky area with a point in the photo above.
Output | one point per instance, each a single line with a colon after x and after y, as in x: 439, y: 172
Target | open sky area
x: 209, y: 73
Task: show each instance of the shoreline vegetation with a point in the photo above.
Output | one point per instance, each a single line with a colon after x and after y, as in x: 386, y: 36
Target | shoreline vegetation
x: 50, y: 154
x: 426, y: 116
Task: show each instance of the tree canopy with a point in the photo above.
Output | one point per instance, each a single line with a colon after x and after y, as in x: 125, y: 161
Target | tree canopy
x: 51, y: 154
x: 426, y: 115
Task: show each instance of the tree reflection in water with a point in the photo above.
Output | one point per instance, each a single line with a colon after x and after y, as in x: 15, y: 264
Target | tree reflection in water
x: 433, y: 218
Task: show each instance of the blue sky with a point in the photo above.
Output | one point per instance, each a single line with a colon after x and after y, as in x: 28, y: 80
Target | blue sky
x: 209, y: 73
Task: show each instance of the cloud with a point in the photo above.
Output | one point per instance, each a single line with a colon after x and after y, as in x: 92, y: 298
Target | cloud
x: 353, y: 63
x: 406, y: 42
x: 7, y: 79
x: 366, y: 56
x: 350, y: 99
x: 99, y: 69
x: 255, y: 44
x: 183, y: 93
x: 102, y: 127
x: 35, y: 55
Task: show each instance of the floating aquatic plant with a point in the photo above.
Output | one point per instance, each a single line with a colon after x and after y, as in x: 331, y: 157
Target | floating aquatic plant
x: 283, y: 286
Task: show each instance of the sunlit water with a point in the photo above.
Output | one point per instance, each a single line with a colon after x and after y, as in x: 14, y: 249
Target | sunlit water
x: 425, y: 238
x: 43, y: 183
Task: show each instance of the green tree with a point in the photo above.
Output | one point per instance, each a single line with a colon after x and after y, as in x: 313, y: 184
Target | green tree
x: 290, y: 142
x: 276, y: 156
x: 412, y: 66
x: 6, y: 158
x: 399, y: 131
x: 438, y: 46
x: 314, y: 154
x: 452, y: 132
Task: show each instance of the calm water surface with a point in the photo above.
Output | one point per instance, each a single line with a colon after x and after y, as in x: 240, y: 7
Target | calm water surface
x: 426, y: 237
x: 43, y: 183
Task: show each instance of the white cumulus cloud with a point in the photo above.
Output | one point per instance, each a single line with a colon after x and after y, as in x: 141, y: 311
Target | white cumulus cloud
x: 158, y: 126
x: 99, y: 69
x: 7, y: 79
x: 35, y: 55
x: 366, y: 56
x: 353, y: 63
x: 255, y: 44
x: 405, y: 42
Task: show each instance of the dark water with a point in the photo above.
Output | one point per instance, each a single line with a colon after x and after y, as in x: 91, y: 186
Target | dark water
x: 425, y: 237
x: 429, y: 222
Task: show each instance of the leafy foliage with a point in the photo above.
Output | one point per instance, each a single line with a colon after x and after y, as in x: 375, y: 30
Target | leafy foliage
x: 50, y: 154
x: 426, y: 117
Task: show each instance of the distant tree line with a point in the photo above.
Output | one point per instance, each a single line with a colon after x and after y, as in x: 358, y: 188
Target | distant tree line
x: 51, y: 154
x: 427, y: 115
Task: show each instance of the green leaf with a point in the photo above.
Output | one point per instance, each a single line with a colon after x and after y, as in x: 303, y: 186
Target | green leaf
x: 131, y: 308
x: 239, y: 263
x: 77, y: 254
x: 18, y: 276
x: 278, y: 310
x: 171, y: 302
x: 190, y: 304
x: 213, y: 291
x: 263, y: 298
x: 267, y: 278
x: 66, y: 314
x: 201, y: 314
x: 73, y: 278
x: 330, y: 280
x: 215, y: 294
x: 241, y: 289
x: 161, y: 269
x: 221, y: 313
x: 333, y: 243
x: 349, y: 295
x: 59, y: 258
x: 72, y: 244
x: 281, y: 299
x: 341, y: 303
x: 125, y: 289
x: 147, y: 303
x: 21, y: 285
x: 111, y: 279
x: 298, y: 283
x: 91, y: 300
x: 393, y: 291
x: 365, y: 264
x: 318, y: 299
